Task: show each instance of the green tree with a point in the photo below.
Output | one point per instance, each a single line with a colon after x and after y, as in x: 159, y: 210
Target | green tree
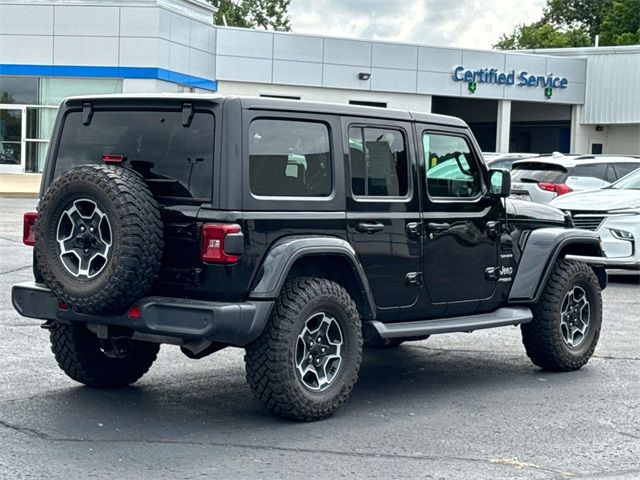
x: 575, y: 23
x: 577, y: 14
x: 542, y: 35
x: 261, y: 14
x: 621, y: 23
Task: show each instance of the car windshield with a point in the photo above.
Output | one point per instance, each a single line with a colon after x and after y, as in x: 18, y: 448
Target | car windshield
x: 630, y: 182
x: 536, y: 172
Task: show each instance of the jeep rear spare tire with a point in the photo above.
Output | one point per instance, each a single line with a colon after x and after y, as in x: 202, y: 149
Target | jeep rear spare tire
x: 99, y: 238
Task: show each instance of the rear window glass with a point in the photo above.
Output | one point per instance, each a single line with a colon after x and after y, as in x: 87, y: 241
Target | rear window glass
x: 623, y: 169
x: 593, y: 170
x: 538, y: 172
x: 176, y: 160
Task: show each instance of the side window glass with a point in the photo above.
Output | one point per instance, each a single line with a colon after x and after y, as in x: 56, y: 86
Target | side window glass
x: 289, y: 158
x: 594, y: 170
x: 450, y: 169
x: 610, y: 174
x: 623, y: 169
x: 379, y: 166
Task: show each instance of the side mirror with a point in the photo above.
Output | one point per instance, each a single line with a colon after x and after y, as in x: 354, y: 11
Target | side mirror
x: 499, y: 183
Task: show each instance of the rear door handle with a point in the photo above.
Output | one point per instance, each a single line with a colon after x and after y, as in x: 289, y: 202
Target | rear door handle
x: 437, y: 227
x: 370, y: 227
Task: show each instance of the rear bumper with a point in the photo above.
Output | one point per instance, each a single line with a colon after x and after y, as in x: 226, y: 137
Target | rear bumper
x: 229, y: 323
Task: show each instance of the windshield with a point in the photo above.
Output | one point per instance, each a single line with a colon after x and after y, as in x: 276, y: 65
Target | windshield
x: 176, y: 159
x: 536, y: 172
x: 630, y: 182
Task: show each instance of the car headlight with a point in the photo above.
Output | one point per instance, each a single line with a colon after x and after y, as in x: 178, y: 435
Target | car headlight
x: 621, y: 234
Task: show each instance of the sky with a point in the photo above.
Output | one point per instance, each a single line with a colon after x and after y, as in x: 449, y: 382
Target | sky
x: 458, y: 23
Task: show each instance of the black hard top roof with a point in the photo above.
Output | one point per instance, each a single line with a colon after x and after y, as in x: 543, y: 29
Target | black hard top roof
x: 270, y: 103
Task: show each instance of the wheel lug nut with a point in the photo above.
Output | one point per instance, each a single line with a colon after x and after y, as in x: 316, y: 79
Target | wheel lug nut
x: 317, y: 361
x: 82, y: 228
x: 310, y: 357
x: 323, y: 349
x: 319, y: 339
x: 91, y: 229
x: 311, y: 344
x: 86, y: 250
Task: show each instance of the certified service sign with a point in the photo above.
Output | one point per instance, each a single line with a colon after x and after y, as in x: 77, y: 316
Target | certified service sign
x: 523, y: 79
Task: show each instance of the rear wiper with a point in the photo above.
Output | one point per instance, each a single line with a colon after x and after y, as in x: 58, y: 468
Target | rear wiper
x: 528, y: 180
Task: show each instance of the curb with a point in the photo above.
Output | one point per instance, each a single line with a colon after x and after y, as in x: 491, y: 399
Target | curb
x: 18, y: 195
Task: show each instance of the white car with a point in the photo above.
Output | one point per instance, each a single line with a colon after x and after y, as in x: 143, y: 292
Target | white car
x: 544, y: 178
x: 614, y: 213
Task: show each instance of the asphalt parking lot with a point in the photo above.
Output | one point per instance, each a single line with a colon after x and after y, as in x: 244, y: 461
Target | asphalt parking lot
x: 454, y: 406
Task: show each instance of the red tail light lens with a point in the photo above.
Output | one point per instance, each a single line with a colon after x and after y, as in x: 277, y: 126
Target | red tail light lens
x: 134, y: 312
x: 213, y: 243
x: 558, y: 188
x: 113, y: 159
x: 28, y: 232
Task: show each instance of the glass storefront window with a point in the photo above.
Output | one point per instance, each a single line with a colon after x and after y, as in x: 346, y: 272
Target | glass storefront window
x: 29, y: 113
x: 40, y: 122
x: 36, y: 154
x: 54, y: 90
x: 10, y: 136
x: 19, y: 90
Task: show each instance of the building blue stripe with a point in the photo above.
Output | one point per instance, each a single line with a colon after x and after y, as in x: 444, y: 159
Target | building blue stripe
x: 108, y: 72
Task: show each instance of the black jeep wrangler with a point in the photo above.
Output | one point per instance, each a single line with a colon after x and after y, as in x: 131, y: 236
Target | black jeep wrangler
x: 295, y: 230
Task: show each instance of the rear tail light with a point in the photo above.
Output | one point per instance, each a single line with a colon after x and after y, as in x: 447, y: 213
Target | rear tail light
x: 558, y: 188
x: 113, y: 159
x: 134, y: 312
x: 215, y: 236
x: 28, y: 231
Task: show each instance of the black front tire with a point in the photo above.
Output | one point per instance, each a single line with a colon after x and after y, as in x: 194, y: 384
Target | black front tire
x: 271, y: 360
x: 543, y: 336
x: 88, y: 360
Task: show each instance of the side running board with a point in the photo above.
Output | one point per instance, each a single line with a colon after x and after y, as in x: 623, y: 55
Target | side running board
x: 499, y: 318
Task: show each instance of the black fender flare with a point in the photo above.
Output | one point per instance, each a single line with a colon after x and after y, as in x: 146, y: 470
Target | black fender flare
x: 283, y: 255
x: 541, y: 250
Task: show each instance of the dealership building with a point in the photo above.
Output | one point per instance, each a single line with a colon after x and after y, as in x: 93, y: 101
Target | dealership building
x: 570, y: 100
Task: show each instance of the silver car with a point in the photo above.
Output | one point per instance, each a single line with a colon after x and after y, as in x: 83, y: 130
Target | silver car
x: 544, y: 178
x: 613, y: 212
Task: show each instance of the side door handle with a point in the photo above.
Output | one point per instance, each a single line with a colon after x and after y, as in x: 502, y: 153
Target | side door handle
x: 370, y: 227
x: 437, y: 227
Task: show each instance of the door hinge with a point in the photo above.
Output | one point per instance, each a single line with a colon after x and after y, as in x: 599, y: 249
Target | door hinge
x: 494, y: 229
x: 415, y: 279
x: 414, y: 229
x: 491, y: 273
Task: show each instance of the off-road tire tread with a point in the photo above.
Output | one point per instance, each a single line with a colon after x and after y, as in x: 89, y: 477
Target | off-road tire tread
x: 77, y: 352
x: 142, y: 238
x: 540, y: 337
x: 268, y: 359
